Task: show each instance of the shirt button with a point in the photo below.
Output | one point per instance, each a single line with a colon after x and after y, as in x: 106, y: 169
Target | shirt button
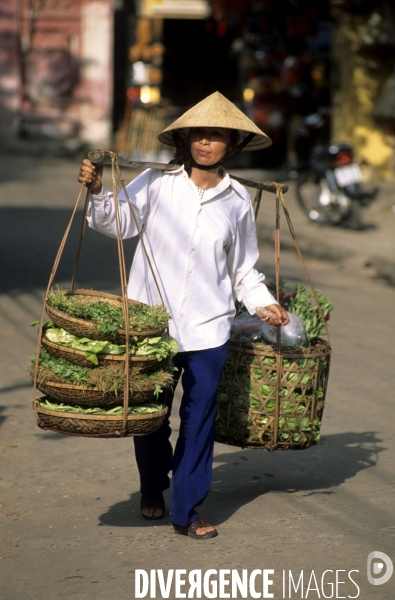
x: 190, y: 271
x: 192, y: 249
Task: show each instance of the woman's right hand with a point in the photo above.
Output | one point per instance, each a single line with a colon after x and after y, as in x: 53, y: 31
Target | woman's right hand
x: 91, y: 175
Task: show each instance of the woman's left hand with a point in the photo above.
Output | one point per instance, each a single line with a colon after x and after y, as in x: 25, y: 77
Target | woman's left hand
x: 277, y: 316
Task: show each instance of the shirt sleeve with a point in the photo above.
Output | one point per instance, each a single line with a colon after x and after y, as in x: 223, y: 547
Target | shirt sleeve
x: 247, y: 283
x: 143, y: 193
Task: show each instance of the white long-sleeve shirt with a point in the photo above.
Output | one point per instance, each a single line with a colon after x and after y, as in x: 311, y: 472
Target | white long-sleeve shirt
x: 203, y: 251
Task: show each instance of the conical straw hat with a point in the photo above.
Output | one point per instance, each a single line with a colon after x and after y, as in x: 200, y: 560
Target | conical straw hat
x: 216, y: 111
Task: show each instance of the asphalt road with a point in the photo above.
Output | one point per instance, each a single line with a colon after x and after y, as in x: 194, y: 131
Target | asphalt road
x: 69, y: 514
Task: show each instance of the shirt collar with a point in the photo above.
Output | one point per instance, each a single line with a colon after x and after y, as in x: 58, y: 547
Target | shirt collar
x: 170, y: 171
x: 211, y: 193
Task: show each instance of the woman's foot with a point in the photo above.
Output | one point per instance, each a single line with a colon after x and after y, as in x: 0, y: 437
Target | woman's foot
x: 198, y: 530
x: 152, y: 508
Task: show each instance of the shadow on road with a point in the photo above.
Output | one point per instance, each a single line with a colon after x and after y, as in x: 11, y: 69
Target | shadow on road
x: 2, y: 417
x: 29, y: 241
x: 16, y: 166
x: 13, y: 388
x: 246, y: 475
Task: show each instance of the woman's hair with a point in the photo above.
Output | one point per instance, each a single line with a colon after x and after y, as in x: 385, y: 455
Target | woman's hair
x: 182, y: 155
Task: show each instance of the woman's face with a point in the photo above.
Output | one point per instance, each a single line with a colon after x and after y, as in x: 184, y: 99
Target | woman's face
x: 209, y: 144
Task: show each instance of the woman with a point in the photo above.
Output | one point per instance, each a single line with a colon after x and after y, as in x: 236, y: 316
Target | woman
x: 199, y: 229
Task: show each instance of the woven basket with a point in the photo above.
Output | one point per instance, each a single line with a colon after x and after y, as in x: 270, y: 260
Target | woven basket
x: 89, y: 329
x: 83, y: 396
x: 249, y: 378
x: 77, y: 357
x: 98, y: 425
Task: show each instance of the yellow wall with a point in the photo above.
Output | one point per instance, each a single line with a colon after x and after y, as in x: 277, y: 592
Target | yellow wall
x: 358, y: 82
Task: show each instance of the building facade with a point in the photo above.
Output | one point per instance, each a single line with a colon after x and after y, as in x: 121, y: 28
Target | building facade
x: 56, y: 71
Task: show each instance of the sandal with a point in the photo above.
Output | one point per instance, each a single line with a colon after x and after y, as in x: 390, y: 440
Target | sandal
x: 190, y: 530
x: 155, y: 503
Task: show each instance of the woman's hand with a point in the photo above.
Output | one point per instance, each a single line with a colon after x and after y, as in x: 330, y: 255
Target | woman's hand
x: 273, y: 314
x: 91, y: 174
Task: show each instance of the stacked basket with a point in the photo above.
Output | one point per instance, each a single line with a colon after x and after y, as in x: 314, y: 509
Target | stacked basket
x: 91, y: 397
x: 88, y: 420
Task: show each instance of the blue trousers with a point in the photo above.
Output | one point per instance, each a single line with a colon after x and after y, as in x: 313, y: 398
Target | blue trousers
x: 192, y: 461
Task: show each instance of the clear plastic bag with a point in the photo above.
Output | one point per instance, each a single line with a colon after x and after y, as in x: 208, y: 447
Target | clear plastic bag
x: 250, y: 328
x: 246, y: 328
x: 292, y: 334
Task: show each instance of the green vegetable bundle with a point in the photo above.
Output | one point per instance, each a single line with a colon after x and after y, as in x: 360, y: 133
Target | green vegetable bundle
x: 144, y: 409
x: 109, y: 318
x: 106, y: 379
x: 301, y: 302
x: 159, y: 347
x: 90, y: 347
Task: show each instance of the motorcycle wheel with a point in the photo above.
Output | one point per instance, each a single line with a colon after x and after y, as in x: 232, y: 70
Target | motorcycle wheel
x: 353, y: 219
x: 324, y: 207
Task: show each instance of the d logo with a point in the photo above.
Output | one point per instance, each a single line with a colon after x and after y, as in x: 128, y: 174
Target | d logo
x: 377, y: 567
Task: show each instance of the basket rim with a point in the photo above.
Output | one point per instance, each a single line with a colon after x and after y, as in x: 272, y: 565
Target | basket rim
x: 61, y: 414
x: 266, y: 446
x: 113, y: 357
x: 92, y: 324
x: 95, y: 293
x: 84, y: 388
x: 322, y: 348
x: 70, y: 386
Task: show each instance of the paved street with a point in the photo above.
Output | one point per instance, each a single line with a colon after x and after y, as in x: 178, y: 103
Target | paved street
x: 69, y: 507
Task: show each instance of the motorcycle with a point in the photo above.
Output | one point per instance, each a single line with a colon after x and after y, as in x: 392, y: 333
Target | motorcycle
x: 328, y: 180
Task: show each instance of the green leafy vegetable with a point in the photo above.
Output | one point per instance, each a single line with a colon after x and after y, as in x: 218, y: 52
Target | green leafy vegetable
x: 109, y: 318
x: 254, y: 403
x: 106, y: 379
x: 301, y: 302
x: 90, y: 347
x: 118, y: 410
x: 158, y: 347
x: 265, y: 389
x: 268, y: 360
x: 271, y: 406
